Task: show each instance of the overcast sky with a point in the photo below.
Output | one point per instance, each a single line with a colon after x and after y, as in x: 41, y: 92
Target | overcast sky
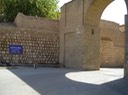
x: 114, y: 12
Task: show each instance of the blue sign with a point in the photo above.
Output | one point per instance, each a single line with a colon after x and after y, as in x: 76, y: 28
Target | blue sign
x: 15, y: 49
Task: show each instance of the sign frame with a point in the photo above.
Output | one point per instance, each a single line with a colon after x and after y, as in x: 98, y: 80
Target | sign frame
x: 16, y: 49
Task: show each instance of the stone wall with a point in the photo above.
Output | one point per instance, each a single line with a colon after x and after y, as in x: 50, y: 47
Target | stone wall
x: 40, y: 40
x: 40, y: 45
x: 22, y: 20
x: 77, y: 36
x: 111, y: 56
x: 113, y: 31
x: 112, y: 44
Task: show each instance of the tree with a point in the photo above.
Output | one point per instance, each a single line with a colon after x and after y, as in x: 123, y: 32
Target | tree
x: 41, y: 8
x: 1, y: 11
x: 48, y: 7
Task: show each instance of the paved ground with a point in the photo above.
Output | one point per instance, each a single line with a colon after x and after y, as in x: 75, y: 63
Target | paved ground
x: 56, y: 81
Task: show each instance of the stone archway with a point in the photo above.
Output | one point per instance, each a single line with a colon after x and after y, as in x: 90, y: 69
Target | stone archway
x: 80, y: 34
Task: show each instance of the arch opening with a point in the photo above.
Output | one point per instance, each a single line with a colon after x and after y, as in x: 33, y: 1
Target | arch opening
x: 113, y: 35
x: 82, y: 50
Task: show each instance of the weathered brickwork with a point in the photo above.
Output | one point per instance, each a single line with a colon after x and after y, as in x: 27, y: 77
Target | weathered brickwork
x: 40, y: 43
x: 83, y: 16
x: 38, y: 46
x: 113, y: 31
x: 112, y: 44
x: 24, y: 21
x: 111, y: 56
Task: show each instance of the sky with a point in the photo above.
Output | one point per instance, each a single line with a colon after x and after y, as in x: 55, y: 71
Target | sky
x: 114, y: 12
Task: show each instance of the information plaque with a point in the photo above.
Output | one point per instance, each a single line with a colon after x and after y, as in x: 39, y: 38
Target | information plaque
x: 15, y: 49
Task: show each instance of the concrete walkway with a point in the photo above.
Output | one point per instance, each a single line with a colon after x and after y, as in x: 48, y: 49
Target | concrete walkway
x: 56, y: 81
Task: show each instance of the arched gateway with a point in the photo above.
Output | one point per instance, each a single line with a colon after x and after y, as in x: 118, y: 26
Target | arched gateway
x: 80, y: 34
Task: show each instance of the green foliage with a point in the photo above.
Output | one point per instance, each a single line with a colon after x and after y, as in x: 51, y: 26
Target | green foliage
x: 1, y: 11
x: 42, y: 8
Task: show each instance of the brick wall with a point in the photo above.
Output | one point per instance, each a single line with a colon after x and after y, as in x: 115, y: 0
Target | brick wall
x: 112, y: 30
x: 112, y: 44
x: 38, y: 46
x: 22, y: 20
x: 39, y: 38
x: 111, y: 56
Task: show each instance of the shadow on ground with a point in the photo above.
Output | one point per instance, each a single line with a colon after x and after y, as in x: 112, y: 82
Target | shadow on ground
x: 52, y: 81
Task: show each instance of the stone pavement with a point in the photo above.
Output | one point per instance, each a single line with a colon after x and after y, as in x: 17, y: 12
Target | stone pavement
x: 60, y: 81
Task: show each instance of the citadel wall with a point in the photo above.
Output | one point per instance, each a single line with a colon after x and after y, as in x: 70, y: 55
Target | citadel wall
x: 40, y: 39
x: 112, y: 44
x: 40, y: 43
